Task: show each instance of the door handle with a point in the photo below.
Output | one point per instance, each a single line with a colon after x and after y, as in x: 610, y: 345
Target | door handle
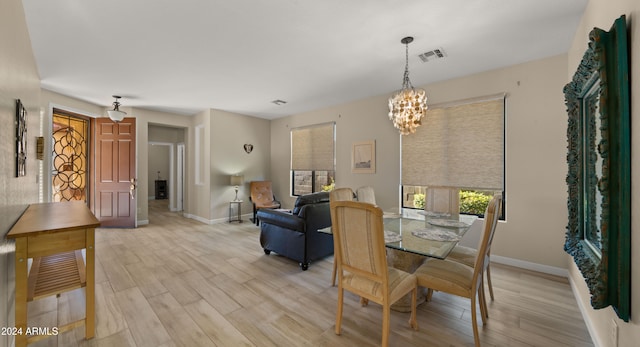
x: 132, y: 188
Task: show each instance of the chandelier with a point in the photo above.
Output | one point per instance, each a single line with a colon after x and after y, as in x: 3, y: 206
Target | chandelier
x: 116, y: 115
x: 408, y: 106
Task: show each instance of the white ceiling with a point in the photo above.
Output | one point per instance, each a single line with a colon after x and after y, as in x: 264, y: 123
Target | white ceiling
x: 189, y: 55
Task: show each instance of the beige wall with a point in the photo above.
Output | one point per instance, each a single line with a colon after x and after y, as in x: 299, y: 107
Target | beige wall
x: 535, y: 164
x: 18, y: 80
x: 50, y: 100
x: 601, y: 14
x: 229, y: 133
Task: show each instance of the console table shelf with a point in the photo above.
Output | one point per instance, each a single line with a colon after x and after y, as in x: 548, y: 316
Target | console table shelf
x: 56, y: 274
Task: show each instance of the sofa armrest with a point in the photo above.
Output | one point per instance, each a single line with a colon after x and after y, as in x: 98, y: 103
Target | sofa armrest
x: 282, y: 219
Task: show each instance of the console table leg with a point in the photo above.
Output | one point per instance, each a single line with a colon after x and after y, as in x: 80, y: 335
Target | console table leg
x: 21, y: 292
x: 89, y: 323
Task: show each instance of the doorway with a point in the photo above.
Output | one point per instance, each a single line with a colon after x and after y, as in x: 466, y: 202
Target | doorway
x: 161, y: 179
x: 166, y: 162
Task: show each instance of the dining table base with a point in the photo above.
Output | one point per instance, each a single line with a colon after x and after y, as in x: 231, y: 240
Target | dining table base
x: 408, y: 262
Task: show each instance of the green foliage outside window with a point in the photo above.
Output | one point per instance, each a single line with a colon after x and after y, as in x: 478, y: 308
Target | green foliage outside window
x: 474, y: 202
x: 329, y: 187
x: 418, y: 201
x: 471, y: 201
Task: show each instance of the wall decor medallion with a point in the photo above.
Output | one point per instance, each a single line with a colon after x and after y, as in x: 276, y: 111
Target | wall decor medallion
x: 599, y: 177
x: 21, y: 139
x: 248, y: 147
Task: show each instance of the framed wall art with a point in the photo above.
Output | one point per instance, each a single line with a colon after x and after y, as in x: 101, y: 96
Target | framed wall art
x: 363, y: 157
x: 21, y: 139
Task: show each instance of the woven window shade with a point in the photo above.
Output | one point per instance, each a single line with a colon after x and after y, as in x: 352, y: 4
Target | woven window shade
x: 458, y: 145
x: 312, y: 148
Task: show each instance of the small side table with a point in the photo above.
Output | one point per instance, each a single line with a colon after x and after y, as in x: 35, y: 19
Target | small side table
x: 238, y: 217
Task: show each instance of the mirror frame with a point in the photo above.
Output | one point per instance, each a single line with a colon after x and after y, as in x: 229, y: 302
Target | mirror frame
x: 608, y: 273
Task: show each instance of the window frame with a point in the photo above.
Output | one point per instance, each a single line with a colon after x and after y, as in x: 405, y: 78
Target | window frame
x: 313, y: 171
x: 502, y: 215
x: 314, y: 179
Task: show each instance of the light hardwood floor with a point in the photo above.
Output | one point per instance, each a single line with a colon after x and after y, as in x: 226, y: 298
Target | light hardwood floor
x: 178, y: 282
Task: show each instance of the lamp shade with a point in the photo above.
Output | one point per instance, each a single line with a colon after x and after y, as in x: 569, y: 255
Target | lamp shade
x: 236, y: 180
x: 116, y: 115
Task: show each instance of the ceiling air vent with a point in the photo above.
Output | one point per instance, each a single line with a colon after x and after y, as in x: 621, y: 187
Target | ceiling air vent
x: 432, y: 55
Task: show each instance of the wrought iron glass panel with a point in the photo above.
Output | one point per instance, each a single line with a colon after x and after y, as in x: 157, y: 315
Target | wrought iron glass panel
x: 69, y: 158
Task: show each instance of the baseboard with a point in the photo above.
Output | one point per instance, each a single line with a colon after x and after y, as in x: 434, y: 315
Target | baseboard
x: 551, y: 270
x: 245, y: 218
x: 593, y: 332
x: 143, y: 222
x: 198, y: 218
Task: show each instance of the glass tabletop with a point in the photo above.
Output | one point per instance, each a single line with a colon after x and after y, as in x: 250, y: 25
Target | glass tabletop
x: 432, y: 236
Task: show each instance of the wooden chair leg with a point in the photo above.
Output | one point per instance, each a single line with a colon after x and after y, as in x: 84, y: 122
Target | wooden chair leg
x: 413, y: 321
x: 489, y: 281
x: 386, y: 317
x: 474, y: 321
x: 483, y: 305
x: 429, y: 294
x: 334, y: 272
x: 364, y: 302
x: 339, y: 311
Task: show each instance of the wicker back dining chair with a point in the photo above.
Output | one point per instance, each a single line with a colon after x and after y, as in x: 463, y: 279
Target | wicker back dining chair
x: 338, y: 194
x: 362, y: 264
x: 458, y: 279
x: 366, y: 194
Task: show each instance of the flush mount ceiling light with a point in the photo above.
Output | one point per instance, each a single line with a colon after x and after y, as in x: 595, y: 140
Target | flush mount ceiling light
x: 408, y: 106
x: 116, y: 115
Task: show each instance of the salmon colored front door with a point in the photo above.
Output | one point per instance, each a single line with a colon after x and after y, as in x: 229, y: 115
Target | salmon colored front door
x: 115, y: 197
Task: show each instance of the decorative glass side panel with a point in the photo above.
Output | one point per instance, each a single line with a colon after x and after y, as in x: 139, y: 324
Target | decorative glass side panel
x: 69, y: 158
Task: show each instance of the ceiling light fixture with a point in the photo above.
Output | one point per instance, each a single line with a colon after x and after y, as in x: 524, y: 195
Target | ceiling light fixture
x: 116, y: 115
x: 408, y: 106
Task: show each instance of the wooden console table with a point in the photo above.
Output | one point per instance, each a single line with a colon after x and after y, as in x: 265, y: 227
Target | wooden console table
x: 45, y: 230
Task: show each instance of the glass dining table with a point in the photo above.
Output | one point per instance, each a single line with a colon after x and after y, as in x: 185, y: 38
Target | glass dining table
x: 431, y: 234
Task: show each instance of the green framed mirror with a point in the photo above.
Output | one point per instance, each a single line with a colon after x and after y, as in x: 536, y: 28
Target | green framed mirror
x: 599, y: 162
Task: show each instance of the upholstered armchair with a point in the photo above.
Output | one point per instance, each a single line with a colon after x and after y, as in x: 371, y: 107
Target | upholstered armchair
x: 261, y: 195
x: 295, y: 234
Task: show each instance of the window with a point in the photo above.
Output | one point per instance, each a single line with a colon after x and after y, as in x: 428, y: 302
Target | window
x: 459, y: 145
x: 312, y: 158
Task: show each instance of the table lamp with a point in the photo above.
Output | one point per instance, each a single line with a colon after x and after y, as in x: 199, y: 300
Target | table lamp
x: 236, y: 180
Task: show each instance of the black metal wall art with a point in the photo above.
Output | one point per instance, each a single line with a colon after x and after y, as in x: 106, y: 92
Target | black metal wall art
x: 21, y: 139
